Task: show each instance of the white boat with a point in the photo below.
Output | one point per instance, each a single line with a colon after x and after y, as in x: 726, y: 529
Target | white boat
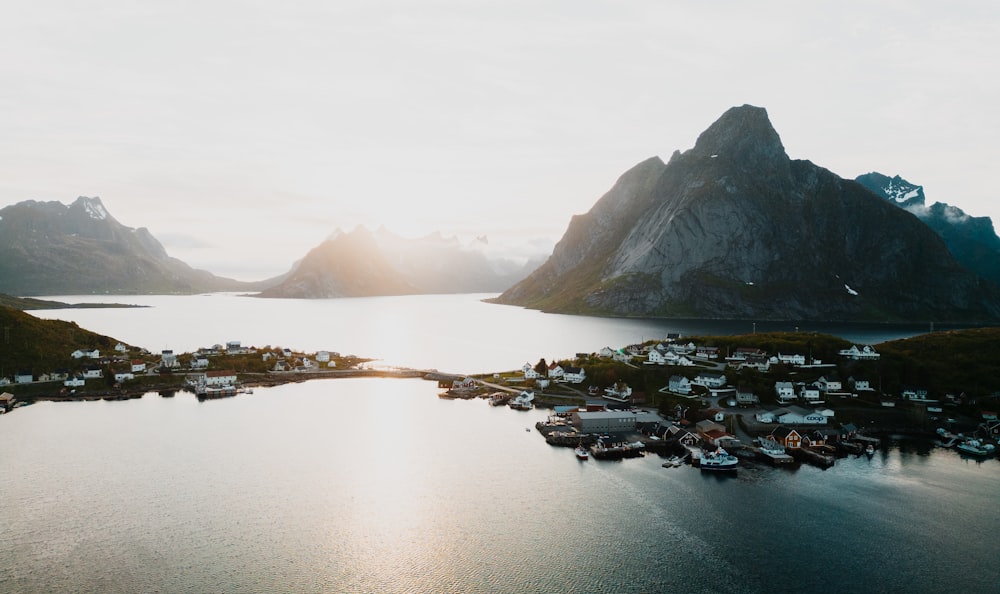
x: 582, y: 453
x: 975, y: 447
x: 673, y: 462
x: 718, y: 459
x: 870, y: 450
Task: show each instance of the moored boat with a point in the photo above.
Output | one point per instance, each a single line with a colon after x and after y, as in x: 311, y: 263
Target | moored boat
x: 975, y: 447
x: 581, y: 452
x: 718, y: 459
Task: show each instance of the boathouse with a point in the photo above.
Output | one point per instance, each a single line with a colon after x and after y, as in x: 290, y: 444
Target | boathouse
x: 604, y: 421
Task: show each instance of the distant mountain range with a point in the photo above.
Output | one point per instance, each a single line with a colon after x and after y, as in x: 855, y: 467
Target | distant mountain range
x: 972, y: 240
x: 363, y: 263
x: 733, y: 228
x: 48, y: 248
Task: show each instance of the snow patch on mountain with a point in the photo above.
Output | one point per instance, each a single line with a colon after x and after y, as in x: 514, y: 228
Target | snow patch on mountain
x: 95, y: 210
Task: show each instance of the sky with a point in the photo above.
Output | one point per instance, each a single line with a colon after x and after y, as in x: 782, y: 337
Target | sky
x: 243, y: 133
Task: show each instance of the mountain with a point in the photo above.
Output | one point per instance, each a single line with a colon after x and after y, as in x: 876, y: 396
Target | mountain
x: 972, y: 240
x: 48, y: 248
x: 733, y: 228
x: 365, y: 263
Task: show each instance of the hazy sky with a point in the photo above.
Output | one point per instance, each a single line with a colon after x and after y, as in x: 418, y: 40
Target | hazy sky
x: 243, y: 133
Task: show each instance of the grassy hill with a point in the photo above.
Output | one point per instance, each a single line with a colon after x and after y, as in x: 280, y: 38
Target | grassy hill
x: 32, y: 344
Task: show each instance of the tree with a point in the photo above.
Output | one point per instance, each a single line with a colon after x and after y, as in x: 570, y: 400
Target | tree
x: 542, y: 368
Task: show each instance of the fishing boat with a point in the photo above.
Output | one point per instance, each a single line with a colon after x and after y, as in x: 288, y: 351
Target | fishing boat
x: 870, y: 450
x: 581, y: 452
x: 974, y: 447
x: 718, y: 459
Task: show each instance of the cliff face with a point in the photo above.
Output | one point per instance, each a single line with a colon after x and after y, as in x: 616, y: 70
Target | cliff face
x: 971, y: 240
x: 48, y: 248
x: 733, y: 228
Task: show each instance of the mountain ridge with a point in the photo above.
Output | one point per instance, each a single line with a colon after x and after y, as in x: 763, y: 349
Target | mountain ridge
x: 733, y: 228
x: 48, y: 248
x: 363, y: 263
x: 971, y: 240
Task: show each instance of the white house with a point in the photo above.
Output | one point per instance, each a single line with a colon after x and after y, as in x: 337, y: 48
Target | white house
x: 556, y: 371
x: 94, y: 354
x: 121, y: 348
x: 657, y: 356
x: 23, y: 377
x: 861, y: 385
x: 233, y: 347
x: 829, y: 383
x: 530, y: 373
x: 620, y: 392
x: 864, y: 353
x: 323, y: 357
x: 168, y: 359
x: 121, y: 376
x: 574, y: 375
x: 93, y: 372
x: 709, y: 380
x: 220, y: 378
x: 707, y: 352
x: 809, y: 392
x: 138, y: 366
x: 74, y: 382
x: 621, y: 356
x: 792, y: 359
x: 606, y: 353
x: 679, y: 384
x: 199, y: 362
x: 785, y: 391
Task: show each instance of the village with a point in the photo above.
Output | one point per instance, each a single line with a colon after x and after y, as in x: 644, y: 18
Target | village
x: 210, y: 372
x: 702, y: 415
x: 698, y: 403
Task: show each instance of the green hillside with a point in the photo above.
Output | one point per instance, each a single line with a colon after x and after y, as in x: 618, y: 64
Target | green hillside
x: 32, y: 344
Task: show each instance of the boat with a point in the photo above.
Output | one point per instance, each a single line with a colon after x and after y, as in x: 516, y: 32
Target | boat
x: 581, y: 452
x: 975, y: 447
x: 718, y: 459
x: 673, y: 462
x: 870, y: 451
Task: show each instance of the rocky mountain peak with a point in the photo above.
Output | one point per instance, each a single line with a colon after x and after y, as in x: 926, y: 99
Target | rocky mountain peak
x: 743, y: 135
x: 733, y: 228
x: 92, y: 207
x: 895, y: 189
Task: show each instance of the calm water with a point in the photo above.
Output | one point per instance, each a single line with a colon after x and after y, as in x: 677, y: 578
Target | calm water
x: 379, y: 486
x: 457, y: 333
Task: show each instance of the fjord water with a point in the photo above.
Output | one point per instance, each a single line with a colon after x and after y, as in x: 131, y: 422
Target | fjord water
x: 455, y: 333
x: 369, y: 485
